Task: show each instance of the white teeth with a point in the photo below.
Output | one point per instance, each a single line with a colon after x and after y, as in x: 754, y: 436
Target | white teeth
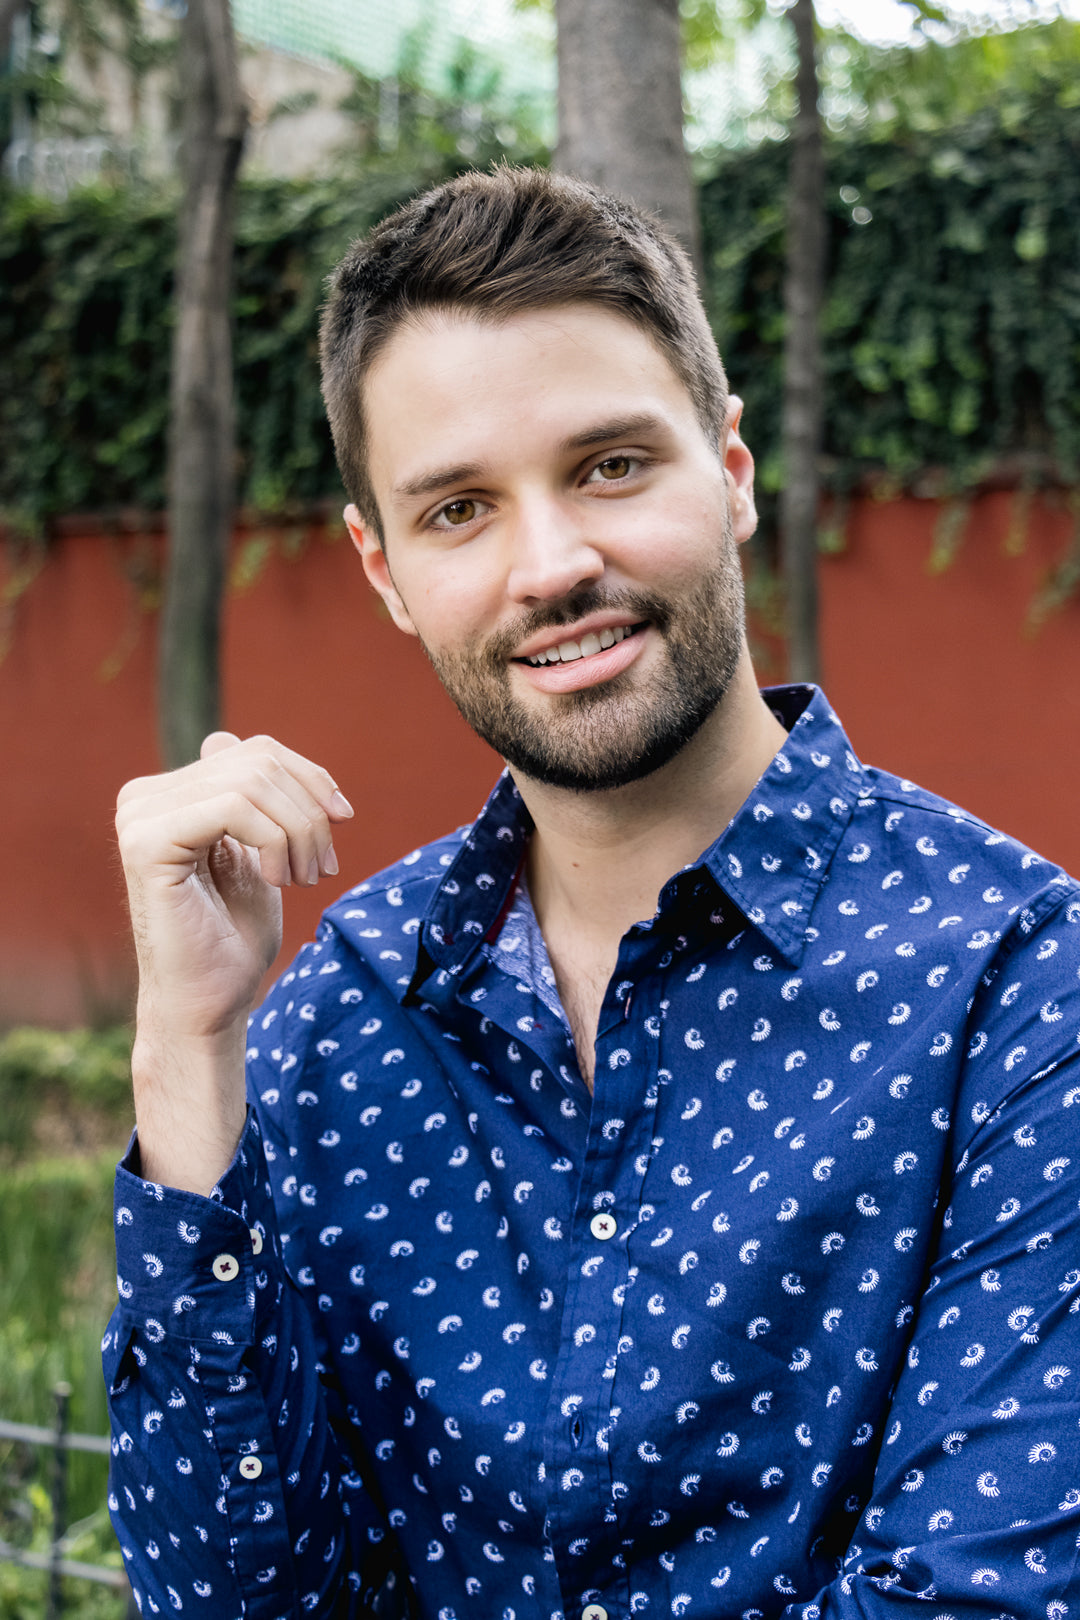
x: 568, y: 651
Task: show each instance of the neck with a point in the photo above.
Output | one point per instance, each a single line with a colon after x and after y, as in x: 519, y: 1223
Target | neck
x: 597, y: 861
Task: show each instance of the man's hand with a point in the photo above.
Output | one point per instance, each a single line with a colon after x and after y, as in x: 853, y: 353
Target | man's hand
x: 206, y: 851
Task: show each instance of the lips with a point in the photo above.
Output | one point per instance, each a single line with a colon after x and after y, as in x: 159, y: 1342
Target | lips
x: 593, y: 658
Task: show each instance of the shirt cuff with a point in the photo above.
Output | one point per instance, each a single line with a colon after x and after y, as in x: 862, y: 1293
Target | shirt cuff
x: 192, y: 1267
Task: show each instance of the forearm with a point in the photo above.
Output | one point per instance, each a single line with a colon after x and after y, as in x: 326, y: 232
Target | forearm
x: 189, y: 1101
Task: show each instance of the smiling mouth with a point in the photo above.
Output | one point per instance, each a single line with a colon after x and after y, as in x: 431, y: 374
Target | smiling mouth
x: 568, y: 652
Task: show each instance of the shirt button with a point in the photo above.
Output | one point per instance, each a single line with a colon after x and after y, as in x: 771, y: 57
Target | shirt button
x: 250, y: 1467
x: 603, y: 1227
x: 226, y: 1267
x: 256, y: 1241
x: 594, y: 1611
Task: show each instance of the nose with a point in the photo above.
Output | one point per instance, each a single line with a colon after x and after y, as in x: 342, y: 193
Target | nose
x: 551, y: 552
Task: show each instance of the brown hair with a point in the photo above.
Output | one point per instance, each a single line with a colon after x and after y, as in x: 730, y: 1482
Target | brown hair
x: 498, y: 245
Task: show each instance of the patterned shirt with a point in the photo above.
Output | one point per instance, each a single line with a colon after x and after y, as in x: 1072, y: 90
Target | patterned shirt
x: 782, y: 1320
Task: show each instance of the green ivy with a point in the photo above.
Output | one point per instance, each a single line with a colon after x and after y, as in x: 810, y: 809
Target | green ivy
x: 952, y: 316
x: 952, y: 323
x: 86, y: 326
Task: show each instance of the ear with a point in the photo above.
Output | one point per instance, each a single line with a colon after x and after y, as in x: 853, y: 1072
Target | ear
x: 739, y: 467
x: 377, y: 569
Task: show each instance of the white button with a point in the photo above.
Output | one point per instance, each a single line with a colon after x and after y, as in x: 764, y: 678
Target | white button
x: 250, y: 1467
x: 226, y: 1267
x: 256, y: 1240
x: 594, y: 1611
x: 601, y: 1226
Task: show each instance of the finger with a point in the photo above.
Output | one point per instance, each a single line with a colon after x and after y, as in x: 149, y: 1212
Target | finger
x: 273, y: 780
x: 223, y: 748
x: 216, y: 742
x: 170, y: 844
x: 280, y: 793
x: 186, y: 817
x: 314, y: 778
x: 314, y: 792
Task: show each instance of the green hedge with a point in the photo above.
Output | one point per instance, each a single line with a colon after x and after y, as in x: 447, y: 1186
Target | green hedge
x: 86, y: 324
x: 952, y: 321
x: 951, y: 326
x: 79, y: 1081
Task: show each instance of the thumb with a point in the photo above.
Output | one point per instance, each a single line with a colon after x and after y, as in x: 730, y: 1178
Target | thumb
x: 217, y: 742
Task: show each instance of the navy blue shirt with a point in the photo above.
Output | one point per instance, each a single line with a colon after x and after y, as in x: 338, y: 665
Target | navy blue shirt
x: 783, y: 1319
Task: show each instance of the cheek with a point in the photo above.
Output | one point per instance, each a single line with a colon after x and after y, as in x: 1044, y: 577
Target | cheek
x: 452, y: 602
x: 681, y: 540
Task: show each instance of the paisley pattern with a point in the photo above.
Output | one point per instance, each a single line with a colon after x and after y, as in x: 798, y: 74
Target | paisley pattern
x: 782, y: 1321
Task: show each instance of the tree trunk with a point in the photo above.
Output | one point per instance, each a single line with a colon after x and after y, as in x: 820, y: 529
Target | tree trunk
x: 620, y: 106
x: 201, y: 434
x: 14, y: 49
x: 8, y: 8
x: 803, y: 408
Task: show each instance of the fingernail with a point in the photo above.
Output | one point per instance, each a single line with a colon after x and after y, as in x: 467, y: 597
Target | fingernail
x: 330, y: 865
x: 313, y: 870
x: 340, y: 805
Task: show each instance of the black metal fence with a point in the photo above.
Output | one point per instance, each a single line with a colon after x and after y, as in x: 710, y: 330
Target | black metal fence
x: 60, y: 1441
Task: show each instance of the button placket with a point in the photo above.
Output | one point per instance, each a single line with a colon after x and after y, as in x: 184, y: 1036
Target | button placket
x: 581, y: 1543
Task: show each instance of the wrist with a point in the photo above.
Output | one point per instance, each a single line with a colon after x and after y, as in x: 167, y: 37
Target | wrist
x: 190, y: 1105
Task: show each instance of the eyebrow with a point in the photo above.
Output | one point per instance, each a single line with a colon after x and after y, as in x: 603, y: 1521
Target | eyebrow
x: 429, y: 483
x: 465, y: 472
x: 619, y: 427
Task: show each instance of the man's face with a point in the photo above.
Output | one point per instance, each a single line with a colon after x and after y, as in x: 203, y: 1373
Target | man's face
x: 560, y: 534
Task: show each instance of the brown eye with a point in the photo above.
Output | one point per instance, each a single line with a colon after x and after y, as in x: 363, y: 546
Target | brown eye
x: 614, y: 467
x: 459, y: 512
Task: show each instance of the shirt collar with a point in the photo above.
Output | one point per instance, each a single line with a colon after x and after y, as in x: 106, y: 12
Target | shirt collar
x: 770, y: 860
x: 473, y: 896
x: 775, y: 854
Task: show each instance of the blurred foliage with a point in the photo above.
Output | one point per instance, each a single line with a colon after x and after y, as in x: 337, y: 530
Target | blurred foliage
x: 951, y: 322
x: 57, y: 1288
x: 91, y: 1540
x: 86, y: 314
x: 953, y: 305
x: 939, y: 83
x: 63, y: 1076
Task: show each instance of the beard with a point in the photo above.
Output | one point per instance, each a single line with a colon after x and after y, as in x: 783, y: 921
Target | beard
x: 621, y: 730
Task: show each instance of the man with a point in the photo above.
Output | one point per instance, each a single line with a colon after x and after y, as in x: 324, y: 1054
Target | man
x: 661, y: 1195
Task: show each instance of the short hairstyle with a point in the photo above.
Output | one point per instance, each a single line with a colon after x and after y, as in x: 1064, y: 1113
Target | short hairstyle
x: 498, y: 245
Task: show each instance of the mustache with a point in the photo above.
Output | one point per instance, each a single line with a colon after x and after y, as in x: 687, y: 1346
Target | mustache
x: 637, y: 605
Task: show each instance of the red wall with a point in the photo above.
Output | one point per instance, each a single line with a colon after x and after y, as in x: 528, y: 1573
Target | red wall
x: 309, y: 656
x: 935, y: 676
x: 943, y: 678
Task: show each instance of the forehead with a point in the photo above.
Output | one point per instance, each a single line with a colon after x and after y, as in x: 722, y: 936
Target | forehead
x: 452, y: 384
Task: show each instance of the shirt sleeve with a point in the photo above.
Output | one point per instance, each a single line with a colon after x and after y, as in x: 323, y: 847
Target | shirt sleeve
x: 228, y: 1491
x: 976, y: 1501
